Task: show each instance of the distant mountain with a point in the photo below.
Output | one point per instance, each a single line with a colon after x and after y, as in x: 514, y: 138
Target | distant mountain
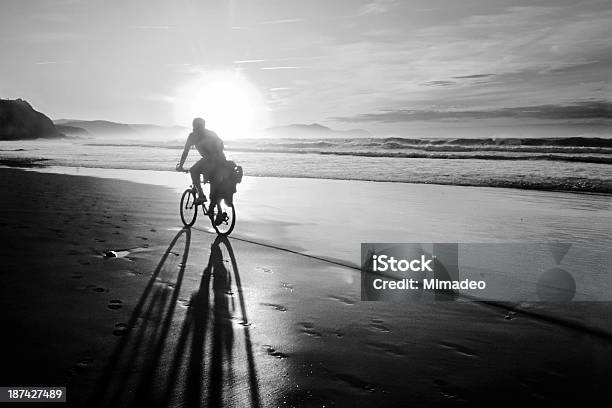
x: 313, y: 130
x: 19, y: 121
x: 108, y: 128
x: 97, y: 127
x: 71, y: 130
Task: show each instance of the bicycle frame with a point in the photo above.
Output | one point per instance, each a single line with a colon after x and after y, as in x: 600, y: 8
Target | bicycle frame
x: 209, y: 210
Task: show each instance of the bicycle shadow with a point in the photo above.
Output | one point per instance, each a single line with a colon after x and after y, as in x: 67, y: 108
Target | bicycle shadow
x: 153, y: 366
x: 212, y: 317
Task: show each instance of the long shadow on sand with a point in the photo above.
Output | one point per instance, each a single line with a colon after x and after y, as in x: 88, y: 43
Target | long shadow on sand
x: 162, y: 361
x: 217, y: 322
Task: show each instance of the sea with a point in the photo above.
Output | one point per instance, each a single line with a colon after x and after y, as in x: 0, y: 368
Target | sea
x: 577, y: 164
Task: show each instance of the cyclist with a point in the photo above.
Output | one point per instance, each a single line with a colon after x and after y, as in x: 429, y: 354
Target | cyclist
x: 210, y: 147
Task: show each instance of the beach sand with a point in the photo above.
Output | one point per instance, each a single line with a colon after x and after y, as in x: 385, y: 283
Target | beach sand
x: 270, y: 317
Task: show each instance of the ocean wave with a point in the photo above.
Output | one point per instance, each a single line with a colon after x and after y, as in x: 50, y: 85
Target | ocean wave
x: 588, y: 150
x: 567, y: 172
x: 446, y: 156
x: 584, y: 158
x: 567, y: 184
x: 545, y: 141
x: 573, y: 149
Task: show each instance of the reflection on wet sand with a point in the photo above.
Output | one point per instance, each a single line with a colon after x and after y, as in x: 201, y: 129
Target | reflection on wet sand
x: 176, y: 357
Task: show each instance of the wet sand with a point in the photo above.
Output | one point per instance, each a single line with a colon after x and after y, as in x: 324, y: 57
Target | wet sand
x: 185, y: 319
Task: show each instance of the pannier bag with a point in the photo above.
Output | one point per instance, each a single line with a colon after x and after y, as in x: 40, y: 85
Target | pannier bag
x: 225, y: 185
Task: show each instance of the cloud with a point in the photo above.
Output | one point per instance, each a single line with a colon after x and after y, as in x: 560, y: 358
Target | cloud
x: 439, y: 83
x: 468, y: 60
x: 52, y: 62
x: 473, y: 76
x: 376, y: 7
x: 577, y: 111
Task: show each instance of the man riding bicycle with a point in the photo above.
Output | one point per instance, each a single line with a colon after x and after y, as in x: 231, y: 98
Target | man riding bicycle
x: 210, y: 147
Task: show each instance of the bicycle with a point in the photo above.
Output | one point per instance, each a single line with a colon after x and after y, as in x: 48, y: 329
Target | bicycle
x: 189, y: 211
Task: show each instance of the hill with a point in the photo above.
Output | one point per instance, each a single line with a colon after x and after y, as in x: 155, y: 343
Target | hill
x: 313, y: 130
x: 19, y: 121
x: 108, y: 128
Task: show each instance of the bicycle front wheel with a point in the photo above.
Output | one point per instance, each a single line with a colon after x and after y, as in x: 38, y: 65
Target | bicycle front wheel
x: 227, y: 220
x: 189, y: 211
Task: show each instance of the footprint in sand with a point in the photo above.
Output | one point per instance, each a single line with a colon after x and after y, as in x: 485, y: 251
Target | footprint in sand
x: 287, y: 286
x: 343, y: 300
x: 120, y: 329
x: 84, y: 363
x: 458, y: 348
x: 99, y: 289
x: 308, y: 329
x: 271, y: 352
x: 449, y: 391
x: 378, y: 325
x: 115, y: 304
x: 280, y: 308
x: 509, y: 315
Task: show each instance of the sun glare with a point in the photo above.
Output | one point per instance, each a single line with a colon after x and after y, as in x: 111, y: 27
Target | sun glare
x: 230, y: 105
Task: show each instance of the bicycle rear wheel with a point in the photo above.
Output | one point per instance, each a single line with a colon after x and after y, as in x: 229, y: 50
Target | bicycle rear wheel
x: 228, y: 219
x: 189, y: 211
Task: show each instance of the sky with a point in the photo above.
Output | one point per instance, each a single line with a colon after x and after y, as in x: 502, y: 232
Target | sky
x: 388, y: 66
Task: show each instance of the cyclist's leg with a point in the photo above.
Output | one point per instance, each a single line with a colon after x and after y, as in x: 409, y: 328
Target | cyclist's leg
x: 213, y: 175
x: 195, y: 171
x: 218, y: 179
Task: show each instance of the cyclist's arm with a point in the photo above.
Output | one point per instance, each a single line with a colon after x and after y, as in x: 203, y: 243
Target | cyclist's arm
x: 188, y: 145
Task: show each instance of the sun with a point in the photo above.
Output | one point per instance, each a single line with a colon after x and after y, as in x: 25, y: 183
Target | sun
x: 231, y: 106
